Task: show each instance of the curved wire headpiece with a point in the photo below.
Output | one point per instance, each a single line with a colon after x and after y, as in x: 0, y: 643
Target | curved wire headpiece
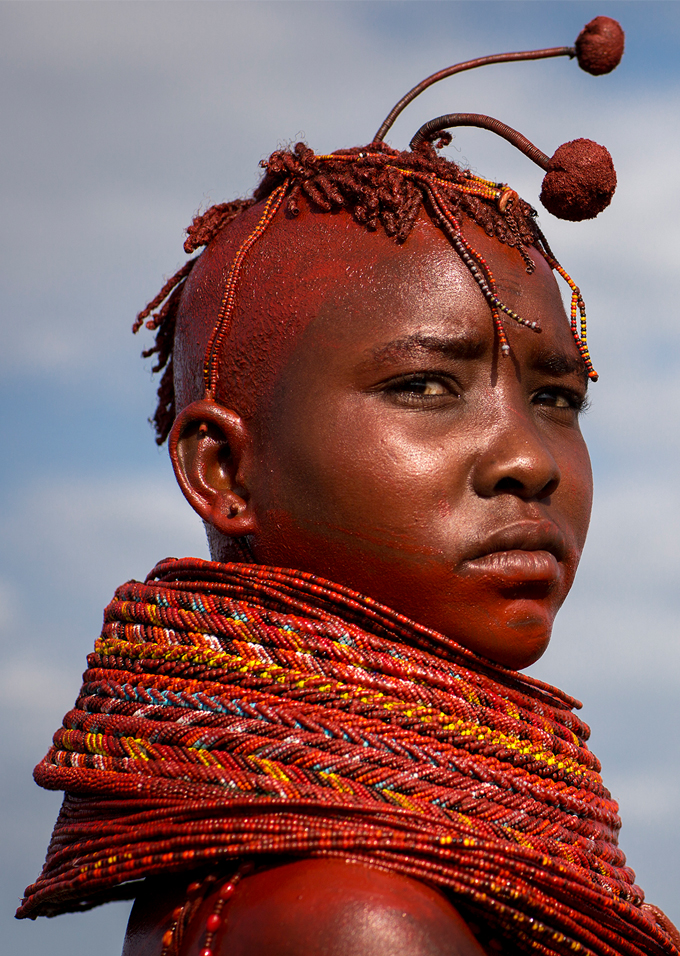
x: 387, y: 123
x: 429, y: 130
x: 581, y: 178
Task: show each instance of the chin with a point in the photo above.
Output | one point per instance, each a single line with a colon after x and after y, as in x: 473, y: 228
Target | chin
x: 515, y: 639
x: 519, y: 657
x: 521, y: 642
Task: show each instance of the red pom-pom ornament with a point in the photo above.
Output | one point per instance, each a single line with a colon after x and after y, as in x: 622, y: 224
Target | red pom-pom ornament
x: 599, y: 46
x: 580, y: 181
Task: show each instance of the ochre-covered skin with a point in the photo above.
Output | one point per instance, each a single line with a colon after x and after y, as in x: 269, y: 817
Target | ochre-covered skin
x: 466, y: 508
x: 310, y: 908
x: 369, y: 431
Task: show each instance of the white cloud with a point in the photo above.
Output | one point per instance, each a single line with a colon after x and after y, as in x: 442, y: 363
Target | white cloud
x: 95, y: 533
x: 120, y: 120
x: 77, y: 542
x: 619, y: 632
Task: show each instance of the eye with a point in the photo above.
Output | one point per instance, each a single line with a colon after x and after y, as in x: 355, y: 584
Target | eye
x: 420, y: 390
x: 421, y: 386
x: 562, y: 399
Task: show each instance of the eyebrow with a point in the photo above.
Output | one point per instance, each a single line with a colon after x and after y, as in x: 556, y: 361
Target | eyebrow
x: 470, y: 346
x: 559, y: 363
x: 463, y: 346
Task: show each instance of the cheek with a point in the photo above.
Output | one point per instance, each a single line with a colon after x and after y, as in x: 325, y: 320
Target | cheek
x: 354, y: 470
x: 577, y: 491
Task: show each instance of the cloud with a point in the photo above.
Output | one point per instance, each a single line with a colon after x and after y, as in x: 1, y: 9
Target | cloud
x: 618, y: 631
x: 9, y: 610
x: 648, y: 798
x: 119, y: 121
x: 120, y: 147
x: 85, y: 534
x: 70, y: 544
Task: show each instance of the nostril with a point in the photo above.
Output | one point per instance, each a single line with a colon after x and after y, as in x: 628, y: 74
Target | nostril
x: 549, y: 488
x: 514, y: 486
x: 510, y: 486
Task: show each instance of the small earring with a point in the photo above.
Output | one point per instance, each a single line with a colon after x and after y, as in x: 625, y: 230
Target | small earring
x: 235, y: 510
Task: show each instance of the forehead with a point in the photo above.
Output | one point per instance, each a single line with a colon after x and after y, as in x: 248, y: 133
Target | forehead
x: 379, y: 297
x: 325, y: 283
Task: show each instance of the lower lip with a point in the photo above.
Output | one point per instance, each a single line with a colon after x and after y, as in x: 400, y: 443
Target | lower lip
x: 517, y: 566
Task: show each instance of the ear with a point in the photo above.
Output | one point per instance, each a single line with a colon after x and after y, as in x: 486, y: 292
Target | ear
x: 211, y: 449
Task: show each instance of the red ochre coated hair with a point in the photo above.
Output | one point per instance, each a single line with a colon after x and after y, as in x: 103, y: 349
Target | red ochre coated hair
x: 380, y: 188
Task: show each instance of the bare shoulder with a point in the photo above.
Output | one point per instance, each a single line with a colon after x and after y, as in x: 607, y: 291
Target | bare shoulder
x: 311, y: 907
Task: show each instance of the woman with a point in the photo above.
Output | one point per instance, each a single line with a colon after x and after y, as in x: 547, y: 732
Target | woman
x: 376, y: 385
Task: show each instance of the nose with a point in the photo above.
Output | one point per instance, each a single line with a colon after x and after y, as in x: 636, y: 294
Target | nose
x: 515, y: 458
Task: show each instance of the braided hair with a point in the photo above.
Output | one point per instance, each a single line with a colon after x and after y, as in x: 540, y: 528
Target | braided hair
x: 381, y: 188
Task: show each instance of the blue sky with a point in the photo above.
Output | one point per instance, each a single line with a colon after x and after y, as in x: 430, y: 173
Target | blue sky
x: 119, y: 120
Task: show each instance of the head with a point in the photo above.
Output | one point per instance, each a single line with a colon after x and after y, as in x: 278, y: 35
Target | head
x: 370, y: 376
x: 366, y: 426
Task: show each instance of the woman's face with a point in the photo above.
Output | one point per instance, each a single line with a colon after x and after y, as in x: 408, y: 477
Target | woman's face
x: 404, y: 457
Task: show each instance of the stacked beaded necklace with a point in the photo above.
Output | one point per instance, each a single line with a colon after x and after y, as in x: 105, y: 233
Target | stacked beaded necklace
x: 235, y: 712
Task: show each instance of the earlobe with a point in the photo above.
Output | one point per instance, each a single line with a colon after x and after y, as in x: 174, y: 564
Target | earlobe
x: 210, y: 449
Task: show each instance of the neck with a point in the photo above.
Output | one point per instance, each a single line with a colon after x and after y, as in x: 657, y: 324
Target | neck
x: 226, y: 550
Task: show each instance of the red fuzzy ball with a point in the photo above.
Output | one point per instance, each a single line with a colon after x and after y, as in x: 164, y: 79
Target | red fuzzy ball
x: 599, y: 46
x: 580, y: 181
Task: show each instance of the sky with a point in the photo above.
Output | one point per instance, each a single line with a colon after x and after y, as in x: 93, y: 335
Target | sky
x: 120, y: 120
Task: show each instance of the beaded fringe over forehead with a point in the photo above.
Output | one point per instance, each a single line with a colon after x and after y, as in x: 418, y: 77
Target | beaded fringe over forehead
x: 380, y: 188
x: 239, y: 711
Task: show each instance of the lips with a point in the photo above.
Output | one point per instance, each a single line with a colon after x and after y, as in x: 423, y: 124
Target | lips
x: 528, y: 551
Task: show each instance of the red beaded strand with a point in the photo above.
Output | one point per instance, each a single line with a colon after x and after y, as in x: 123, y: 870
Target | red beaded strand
x: 222, y: 324
x: 196, y: 893
x: 577, y: 306
x: 216, y: 921
x: 236, y: 712
x: 501, y: 194
x: 183, y: 914
x: 476, y: 263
